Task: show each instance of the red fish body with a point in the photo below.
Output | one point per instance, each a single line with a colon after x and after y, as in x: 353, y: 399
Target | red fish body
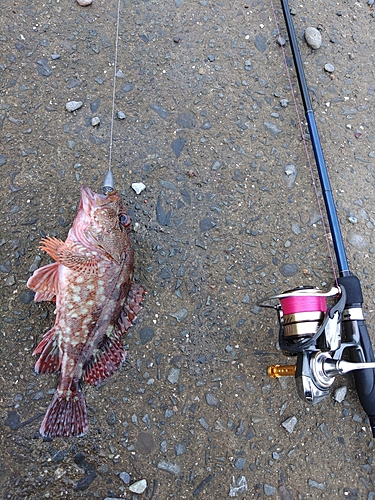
x: 96, y: 302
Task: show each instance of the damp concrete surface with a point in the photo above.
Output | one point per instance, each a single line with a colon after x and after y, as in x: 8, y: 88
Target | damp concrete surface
x: 204, y: 118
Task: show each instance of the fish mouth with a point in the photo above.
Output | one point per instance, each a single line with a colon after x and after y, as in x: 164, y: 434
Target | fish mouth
x: 91, y: 199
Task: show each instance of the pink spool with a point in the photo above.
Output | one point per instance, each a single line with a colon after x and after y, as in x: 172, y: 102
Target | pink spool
x: 297, y: 304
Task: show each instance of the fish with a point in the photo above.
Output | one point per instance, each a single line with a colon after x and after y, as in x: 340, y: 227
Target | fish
x: 97, y: 300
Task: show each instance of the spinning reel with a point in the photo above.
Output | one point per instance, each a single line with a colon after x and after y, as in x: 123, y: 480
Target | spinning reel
x: 318, y: 327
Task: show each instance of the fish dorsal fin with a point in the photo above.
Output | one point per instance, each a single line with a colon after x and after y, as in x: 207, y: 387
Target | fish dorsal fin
x: 105, y: 361
x: 131, y: 307
x: 44, y: 282
x: 76, y: 257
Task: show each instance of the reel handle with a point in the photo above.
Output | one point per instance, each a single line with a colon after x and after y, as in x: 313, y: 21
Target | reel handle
x: 357, y: 340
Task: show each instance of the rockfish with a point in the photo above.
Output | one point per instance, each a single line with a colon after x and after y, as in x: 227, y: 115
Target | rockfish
x: 96, y: 302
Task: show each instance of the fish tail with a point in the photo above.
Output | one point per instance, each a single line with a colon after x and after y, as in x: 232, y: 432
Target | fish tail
x: 66, y: 415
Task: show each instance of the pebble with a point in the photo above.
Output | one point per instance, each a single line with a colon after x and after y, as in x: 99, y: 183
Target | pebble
x: 121, y: 115
x: 284, y: 103
x: 315, y: 484
x: 84, y: 3
x: 180, y: 449
x: 289, y: 270
x: 167, y: 466
x: 95, y: 121
x: 180, y: 315
x: 240, y: 463
x: 174, y: 375
x: 340, y: 394
x: 357, y: 240
x: 289, y: 175
x: 138, y: 187
x: 211, y: 400
x: 125, y: 477
x: 146, y: 334
x: 313, y: 37
x: 273, y: 128
x: 238, y: 485
x: 185, y: 120
x: 138, y: 487
x: 162, y: 112
x: 177, y: 146
x: 72, y: 106
x: 329, y: 68
x: 269, y: 490
x: 289, y: 424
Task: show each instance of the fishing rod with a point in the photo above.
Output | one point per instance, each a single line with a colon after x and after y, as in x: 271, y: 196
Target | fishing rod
x: 320, y: 327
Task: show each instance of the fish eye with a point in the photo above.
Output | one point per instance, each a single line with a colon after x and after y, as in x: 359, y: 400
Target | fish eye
x: 124, y: 220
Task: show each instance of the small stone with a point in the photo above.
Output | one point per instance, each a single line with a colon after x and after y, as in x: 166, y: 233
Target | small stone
x: 84, y: 3
x: 289, y: 424
x: 121, y: 115
x: 146, y: 334
x: 284, y: 103
x: 313, y: 37
x: 179, y: 449
x: 125, y: 477
x: 329, y: 68
x: 211, y: 400
x: 357, y: 240
x: 138, y: 487
x: 211, y: 57
x: 138, y: 187
x: 238, y: 485
x: 315, y: 484
x: 340, y: 394
x: 173, y: 376
x: 185, y: 120
x: 289, y: 270
x: 177, y: 146
x: 180, y: 315
x: 95, y: 121
x: 269, y: 490
x: 273, y: 128
x: 281, y: 41
x: 172, y: 468
x: 289, y: 175
x: 72, y: 106
x: 240, y: 463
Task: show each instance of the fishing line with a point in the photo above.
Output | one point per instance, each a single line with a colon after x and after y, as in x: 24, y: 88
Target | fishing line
x: 108, y: 183
x: 327, y: 234
x: 114, y: 86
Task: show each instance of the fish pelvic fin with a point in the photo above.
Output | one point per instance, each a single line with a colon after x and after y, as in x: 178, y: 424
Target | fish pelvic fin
x: 66, y: 415
x: 131, y: 307
x: 50, y: 353
x: 44, y: 282
x: 76, y: 257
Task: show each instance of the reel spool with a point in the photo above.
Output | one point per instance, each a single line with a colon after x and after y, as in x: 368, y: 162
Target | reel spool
x: 302, y: 314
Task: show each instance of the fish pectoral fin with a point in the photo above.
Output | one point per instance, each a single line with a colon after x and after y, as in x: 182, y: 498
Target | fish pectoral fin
x: 105, y: 361
x: 44, y: 282
x: 50, y: 353
x: 131, y: 307
x: 76, y: 257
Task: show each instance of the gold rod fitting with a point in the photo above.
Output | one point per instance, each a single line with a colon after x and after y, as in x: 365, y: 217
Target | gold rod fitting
x: 276, y: 371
